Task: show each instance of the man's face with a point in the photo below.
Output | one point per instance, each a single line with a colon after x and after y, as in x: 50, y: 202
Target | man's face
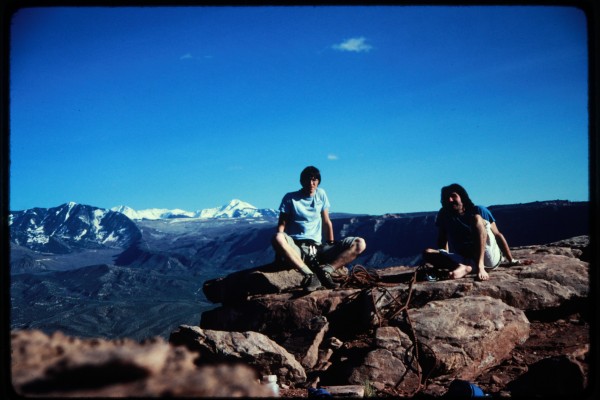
x: 310, y: 185
x: 455, y: 202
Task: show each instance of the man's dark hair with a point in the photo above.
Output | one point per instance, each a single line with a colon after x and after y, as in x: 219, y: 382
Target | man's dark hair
x: 464, y: 196
x: 308, y: 173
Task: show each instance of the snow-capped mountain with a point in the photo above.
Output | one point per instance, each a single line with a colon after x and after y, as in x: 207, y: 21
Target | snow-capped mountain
x: 153, y: 213
x: 71, y: 226
x: 235, y: 209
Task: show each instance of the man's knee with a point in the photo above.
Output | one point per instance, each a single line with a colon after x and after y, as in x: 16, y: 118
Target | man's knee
x: 359, y: 245
x: 428, y: 253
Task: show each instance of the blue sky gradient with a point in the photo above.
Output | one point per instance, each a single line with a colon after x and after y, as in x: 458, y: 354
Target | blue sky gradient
x: 191, y: 107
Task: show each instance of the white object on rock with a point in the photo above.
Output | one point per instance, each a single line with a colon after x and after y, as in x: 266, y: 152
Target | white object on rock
x: 271, y: 381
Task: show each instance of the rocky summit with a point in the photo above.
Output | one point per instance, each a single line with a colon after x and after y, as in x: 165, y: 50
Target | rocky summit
x: 387, y: 332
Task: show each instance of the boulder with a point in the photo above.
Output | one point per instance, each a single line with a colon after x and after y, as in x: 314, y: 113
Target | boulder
x: 60, y: 366
x: 466, y: 336
x: 578, y: 247
x: 392, y: 362
x: 304, y: 343
x: 275, y: 314
x: 238, y: 286
x: 251, y: 348
x: 454, y: 338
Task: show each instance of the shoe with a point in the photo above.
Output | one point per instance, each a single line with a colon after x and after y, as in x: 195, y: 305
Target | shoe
x: 310, y: 283
x: 428, y: 273
x: 431, y: 277
x: 324, y: 273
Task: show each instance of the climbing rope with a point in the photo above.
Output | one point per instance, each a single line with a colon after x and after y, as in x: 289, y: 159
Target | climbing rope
x: 361, y: 277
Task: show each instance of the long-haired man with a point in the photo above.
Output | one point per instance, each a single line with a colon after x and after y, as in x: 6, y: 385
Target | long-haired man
x: 468, y: 238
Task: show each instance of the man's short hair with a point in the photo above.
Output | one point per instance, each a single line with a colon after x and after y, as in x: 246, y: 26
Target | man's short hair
x: 308, y: 173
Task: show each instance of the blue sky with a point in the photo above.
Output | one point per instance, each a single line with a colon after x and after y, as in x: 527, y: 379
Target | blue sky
x: 192, y: 107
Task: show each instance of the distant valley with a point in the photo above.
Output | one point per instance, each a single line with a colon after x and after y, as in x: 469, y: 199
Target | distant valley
x: 92, y: 272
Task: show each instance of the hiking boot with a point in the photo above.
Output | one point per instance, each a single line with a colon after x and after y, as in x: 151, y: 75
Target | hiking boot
x: 324, y: 273
x: 310, y: 283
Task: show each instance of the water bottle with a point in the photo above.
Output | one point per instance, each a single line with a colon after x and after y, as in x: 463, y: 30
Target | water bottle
x: 271, y: 381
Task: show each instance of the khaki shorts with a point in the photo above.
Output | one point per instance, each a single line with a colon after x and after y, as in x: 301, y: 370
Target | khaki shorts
x: 325, y: 253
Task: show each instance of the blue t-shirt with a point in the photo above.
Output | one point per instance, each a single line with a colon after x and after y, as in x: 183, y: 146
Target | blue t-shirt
x: 304, y: 214
x: 461, y: 235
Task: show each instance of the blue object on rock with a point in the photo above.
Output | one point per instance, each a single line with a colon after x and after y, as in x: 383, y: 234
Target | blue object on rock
x: 318, y: 393
x: 460, y: 389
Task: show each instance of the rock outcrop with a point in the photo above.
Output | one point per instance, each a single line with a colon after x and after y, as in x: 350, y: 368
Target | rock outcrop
x: 392, y: 331
x: 61, y: 366
x: 445, y: 330
x: 252, y: 348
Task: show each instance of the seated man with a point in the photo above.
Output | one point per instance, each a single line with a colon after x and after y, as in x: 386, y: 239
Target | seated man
x: 303, y: 221
x: 471, y: 231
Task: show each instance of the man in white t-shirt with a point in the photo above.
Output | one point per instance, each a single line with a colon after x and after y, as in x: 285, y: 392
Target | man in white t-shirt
x: 303, y: 223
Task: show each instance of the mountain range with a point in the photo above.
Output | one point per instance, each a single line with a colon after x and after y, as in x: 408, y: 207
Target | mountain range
x: 70, y: 227
x: 235, y: 209
x: 94, y: 272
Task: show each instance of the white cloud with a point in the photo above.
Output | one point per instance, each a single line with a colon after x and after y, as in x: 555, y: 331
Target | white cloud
x: 189, y: 56
x: 332, y: 157
x: 356, y: 45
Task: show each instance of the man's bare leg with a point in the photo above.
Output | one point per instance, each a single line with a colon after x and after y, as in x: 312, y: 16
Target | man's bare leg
x: 283, y: 248
x: 482, y: 235
x: 358, y: 246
